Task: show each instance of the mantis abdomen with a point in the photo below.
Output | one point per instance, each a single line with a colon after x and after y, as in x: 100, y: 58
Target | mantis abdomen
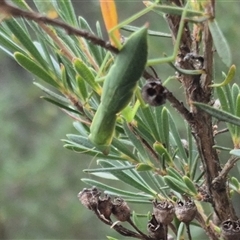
x: 118, y: 88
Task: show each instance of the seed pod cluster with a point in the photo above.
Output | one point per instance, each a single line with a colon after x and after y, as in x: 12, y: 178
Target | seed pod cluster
x: 104, y: 207
x: 231, y: 229
x: 162, y: 216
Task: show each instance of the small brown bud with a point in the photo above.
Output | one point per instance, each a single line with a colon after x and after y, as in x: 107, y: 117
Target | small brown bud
x: 185, y: 211
x: 163, y: 211
x: 121, y: 210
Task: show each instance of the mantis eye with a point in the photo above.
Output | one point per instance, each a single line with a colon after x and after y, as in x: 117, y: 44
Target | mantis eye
x: 154, y: 93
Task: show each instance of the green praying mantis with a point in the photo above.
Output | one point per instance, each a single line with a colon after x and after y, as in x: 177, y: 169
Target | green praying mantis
x: 118, y: 88
x: 121, y: 81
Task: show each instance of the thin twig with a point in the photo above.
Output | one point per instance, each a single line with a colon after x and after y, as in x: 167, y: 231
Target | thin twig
x: 221, y: 131
x: 220, y: 180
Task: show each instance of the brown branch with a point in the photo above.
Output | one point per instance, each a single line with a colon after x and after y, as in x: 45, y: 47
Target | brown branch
x: 179, y: 106
x: 196, y: 89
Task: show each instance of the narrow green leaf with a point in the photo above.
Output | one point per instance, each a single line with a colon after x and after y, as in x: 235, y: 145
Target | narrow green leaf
x: 111, y: 238
x: 191, y: 186
x: 115, y: 191
x: 81, y: 128
x: 180, y: 231
x: 34, y: 68
x: 162, y: 151
x: 235, y: 92
x: 174, y: 173
x: 149, y: 119
x: 81, y: 140
x: 44, y: 7
x: 143, y: 130
x: 190, y: 144
x: 66, y: 11
x: 124, y: 149
x: 220, y: 42
x: 142, y: 167
x: 222, y: 148
x: 96, y: 51
x: 82, y: 144
x: 237, y: 114
x: 194, y: 166
x: 8, y: 45
x: 64, y: 78
x: 237, y: 109
x: 108, y: 169
x: 176, y: 136
x: 228, y: 78
x: 83, y: 70
x: 127, y: 178
x: 224, y: 105
x: 104, y: 175
x: 234, y: 181
x: 82, y: 89
x: 102, y: 51
x: 176, y: 185
x: 58, y: 97
x: 174, y: 10
x: 130, y: 28
x: 25, y: 40
x: 221, y: 115
x: 223, y: 99
x: 137, y: 144
x: 228, y: 93
x: 68, y: 108
x: 165, y: 126
x: 22, y: 4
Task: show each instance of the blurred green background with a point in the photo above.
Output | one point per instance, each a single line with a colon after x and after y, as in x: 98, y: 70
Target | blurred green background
x: 39, y: 179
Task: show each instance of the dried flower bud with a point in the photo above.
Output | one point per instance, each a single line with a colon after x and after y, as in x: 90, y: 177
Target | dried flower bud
x: 89, y: 197
x: 121, y: 210
x: 185, y: 211
x: 163, y: 211
x: 156, y: 230
x: 154, y: 93
x: 230, y: 230
x: 105, y: 206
